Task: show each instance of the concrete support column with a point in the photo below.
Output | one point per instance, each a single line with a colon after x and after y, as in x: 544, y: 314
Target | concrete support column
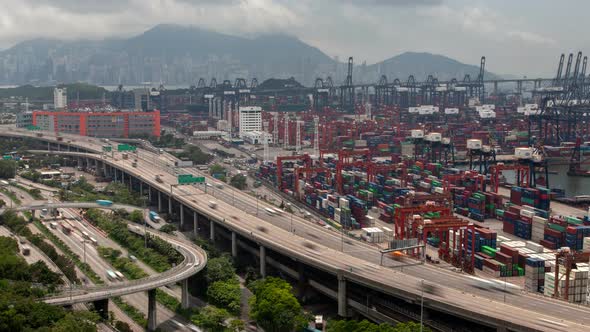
x: 115, y: 171
x: 122, y: 177
x: 104, y: 169
x: 342, y: 309
x: 102, y: 308
x: 302, y: 282
x: 195, y: 223
x: 234, y: 244
x: 151, y: 316
x: 58, y: 147
x: 263, y: 261
x: 130, y: 182
x: 150, y: 194
x: 501, y: 329
x: 181, y: 217
x: 170, y: 205
x: 184, y: 297
x: 159, y: 201
x: 212, y: 230
x: 140, y: 188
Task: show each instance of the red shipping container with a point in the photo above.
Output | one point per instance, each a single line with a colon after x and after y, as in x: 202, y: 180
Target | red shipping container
x: 553, y: 232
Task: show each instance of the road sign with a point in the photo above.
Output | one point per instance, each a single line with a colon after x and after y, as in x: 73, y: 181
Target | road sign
x: 107, y: 148
x: 33, y: 128
x: 190, y: 179
x: 7, y: 157
x: 126, y: 147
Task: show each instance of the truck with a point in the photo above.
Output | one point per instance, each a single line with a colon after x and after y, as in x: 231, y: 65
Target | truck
x: 104, y: 202
x: 53, y: 225
x: 154, y: 217
x: 159, y: 179
x: 111, y: 275
x: 26, y: 250
x: 125, y: 156
x: 212, y: 204
x: 39, y: 135
x: 65, y: 229
x: 119, y: 275
x: 59, y: 139
x: 93, y: 241
x: 134, y: 163
x: 183, y: 163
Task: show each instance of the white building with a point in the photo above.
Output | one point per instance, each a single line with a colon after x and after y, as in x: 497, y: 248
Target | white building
x: 208, y: 134
x: 60, y: 98
x: 256, y: 137
x: 250, y: 119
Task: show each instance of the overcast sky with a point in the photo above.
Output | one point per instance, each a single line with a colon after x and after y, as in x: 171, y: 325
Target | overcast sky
x: 521, y: 37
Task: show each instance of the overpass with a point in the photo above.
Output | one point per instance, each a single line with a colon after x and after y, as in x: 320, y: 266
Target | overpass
x: 194, y: 261
x: 348, y: 273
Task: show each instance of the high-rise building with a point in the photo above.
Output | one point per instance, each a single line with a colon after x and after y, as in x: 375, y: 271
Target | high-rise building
x: 250, y: 119
x: 60, y: 98
x: 100, y: 124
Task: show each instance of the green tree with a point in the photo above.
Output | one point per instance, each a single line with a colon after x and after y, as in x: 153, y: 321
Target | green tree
x: 136, y: 216
x: 82, y: 321
x: 366, y: 326
x: 2, y: 203
x: 274, y: 306
x: 168, y: 228
x: 122, y: 326
x: 236, y: 325
x: 239, y: 181
x: 225, y: 294
x: 7, y: 169
x: 211, y: 318
x: 218, y: 169
x: 219, y: 269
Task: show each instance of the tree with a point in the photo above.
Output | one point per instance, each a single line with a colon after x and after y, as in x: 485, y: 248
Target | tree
x: 83, y: 321
x: 366, y: 326
x: 7, y: 169
x: 211, y: 318
x: 219, y: 170
x: 122, y: 326
x: 168, y: 228
x: 2, y: 203
x: 238, y: 181
x: 236, y: 325
x: 136, y: 216
x: 219, y: 269
x: 274, y: 306
x: 225, y: 294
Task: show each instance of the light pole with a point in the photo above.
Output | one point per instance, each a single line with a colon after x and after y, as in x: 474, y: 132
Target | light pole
x: 422, y: 306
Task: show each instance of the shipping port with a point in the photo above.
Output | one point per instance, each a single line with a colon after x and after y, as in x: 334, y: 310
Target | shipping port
x: 470, y: 180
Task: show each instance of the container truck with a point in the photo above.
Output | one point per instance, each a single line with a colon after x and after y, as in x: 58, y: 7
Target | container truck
x: 93, y: 241
x: 212, y: 204
x: 119, y: 275
x: 159, y: 179
x: 125, y: 156
x: 104, y: 202
x: 183, y: 163
x: 53, y: 225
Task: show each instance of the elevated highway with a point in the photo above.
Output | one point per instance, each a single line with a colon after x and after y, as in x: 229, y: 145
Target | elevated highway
x: 194, y: 261
x: 353, y: 269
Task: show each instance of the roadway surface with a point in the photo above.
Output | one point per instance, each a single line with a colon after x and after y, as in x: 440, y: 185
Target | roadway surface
x: 357, y: 262
x: 195, y: 260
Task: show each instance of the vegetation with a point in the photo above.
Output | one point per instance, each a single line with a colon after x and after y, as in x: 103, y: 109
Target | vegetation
x: 131, y: 311
x: 195, y: 154
x: 167, y: 140
x: 122, y: 326
x: 274, y: 307
x: 122, y: 264
x: 10, y: 195
x: 83, y: 90
x: 211, y: 318
x: 239, y: 181
x: 167, y: 300
x: 7, y: 169
x: 218, y: 172
x: 225, y: 294
x: 20, y: 308
x: 366, y: 326
x: 168, y: 228
x: 159, y: 254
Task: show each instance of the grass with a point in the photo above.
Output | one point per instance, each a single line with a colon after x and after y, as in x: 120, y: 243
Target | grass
x: 167, y: 300
x: 35, y: 193
x: 11, y: 195
x: 85, y: 268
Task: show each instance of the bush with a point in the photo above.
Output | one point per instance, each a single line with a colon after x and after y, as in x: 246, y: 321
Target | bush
x: 168, y: 228
x: 211, y: 318
x: 225, y: 294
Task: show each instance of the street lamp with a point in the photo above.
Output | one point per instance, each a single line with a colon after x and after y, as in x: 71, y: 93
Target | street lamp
x: 422, y: 305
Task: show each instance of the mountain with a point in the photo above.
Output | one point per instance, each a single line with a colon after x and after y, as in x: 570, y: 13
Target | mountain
x: 423, y: 64
x: 179, y: 55
x: 166, y: 53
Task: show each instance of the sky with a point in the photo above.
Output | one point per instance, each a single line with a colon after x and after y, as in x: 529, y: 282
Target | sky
x: 523, y: 37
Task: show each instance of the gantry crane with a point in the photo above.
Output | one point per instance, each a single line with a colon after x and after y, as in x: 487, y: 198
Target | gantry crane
x: 568, y: 259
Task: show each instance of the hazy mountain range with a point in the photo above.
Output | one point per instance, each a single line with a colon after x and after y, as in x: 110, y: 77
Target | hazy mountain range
x: 176, y: 55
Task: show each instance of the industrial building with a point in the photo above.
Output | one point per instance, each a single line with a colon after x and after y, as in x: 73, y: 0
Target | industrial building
x: 250, y: 119
x: 256, y: 137
x: 100, y: 124
x: 24, y: 119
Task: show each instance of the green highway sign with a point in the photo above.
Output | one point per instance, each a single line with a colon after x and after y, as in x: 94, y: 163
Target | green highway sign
x: 7, y: 157
x: 33, y: 128
x: 107, y: 148
x: 190, y: 179
x: 125, y: 147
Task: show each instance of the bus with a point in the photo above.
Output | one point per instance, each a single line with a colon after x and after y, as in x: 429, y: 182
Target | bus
x: 93, y: 241
x: 119, y: 275
x: 270, y: 211
x: 111, y: 275
x: 85, y: 235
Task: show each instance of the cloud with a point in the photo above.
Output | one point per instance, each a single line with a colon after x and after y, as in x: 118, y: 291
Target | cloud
x: 531, y: 38
x: 407, y: 3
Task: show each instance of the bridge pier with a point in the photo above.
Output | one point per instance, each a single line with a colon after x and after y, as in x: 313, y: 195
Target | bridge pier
x: 212, y: 230
x: 263, y: 261
x: 195, y: 223
x: 501, y: 329
x: 140, y: 188
x: 151, y: 316
x: 181, y: 217
x: 302, y: 282
x: 234, y: 244
x: 102, y: 308
x: 150, y: 194
x: 184, y: 297
x: 342, y: 309
x: 169, y: 205
x: 159, y: 201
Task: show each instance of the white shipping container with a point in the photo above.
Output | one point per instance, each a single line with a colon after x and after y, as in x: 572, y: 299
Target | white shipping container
x: 439, y: 190
x: 474, y: 144
x: 417, y: 133
x: 523, y: 153
x: 433, y: 137
x: 451, y: 110
x: 586, y: 243
x: 445, y: 140
x: 414, y: 109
